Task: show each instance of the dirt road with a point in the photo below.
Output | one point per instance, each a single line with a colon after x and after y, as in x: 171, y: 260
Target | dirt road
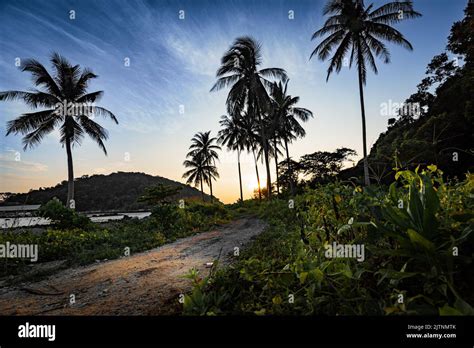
x: 147, y: 283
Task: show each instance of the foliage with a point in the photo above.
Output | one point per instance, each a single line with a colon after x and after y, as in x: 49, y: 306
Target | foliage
x: 409, y: 232
x: 322, y: 164
x: 159, y: 194
x: 62, y: 217
x: 201, y: 160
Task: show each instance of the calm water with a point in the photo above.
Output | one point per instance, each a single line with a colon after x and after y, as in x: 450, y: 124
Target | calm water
x: 38, y: 221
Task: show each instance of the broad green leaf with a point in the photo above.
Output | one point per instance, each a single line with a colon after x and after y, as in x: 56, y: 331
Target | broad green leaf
x: 415, y: 207
x: 447, y: 310
x: 464, y: 307
x: 419, y: 240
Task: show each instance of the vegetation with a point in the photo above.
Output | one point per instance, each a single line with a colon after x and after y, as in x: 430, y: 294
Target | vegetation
x: 202, y: 157
x: 63, y: 217
x: 418, y: 244
x: 68, y: 107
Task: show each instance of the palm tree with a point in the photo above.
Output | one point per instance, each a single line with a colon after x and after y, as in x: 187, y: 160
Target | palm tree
x: 239, y: 70
x: 204, y: 147
x: 68, y: 107
x: 356, y: 28
x: 285, y: 119
x: 251, y: 134
x: 233, y: 136
x: 198, y: 172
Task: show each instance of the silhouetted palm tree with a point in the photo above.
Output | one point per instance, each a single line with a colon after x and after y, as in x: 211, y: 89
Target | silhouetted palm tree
x: 204, y: 147
x: 239, y: 70
x: 355, y: 28
x: 233, y: 136
x: 252, y: 136
x: 198, y: 172
x: 285, y: 119
x: 68, y: 107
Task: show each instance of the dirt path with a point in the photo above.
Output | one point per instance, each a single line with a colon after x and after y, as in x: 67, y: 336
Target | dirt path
x: 147, y: 283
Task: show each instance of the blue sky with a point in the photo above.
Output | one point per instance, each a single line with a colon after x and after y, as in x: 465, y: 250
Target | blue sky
x: 173, y: 64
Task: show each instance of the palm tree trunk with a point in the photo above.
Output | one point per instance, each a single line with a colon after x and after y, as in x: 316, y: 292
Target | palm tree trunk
x: 210, y: 186
x: 240, y: 176
x: 292, y: 188
x: 276, y: 165
x: 258, y: 176
x: 70, y: 174
x: 202, y: 191
x: 265, y: 151
x: 364, y: 135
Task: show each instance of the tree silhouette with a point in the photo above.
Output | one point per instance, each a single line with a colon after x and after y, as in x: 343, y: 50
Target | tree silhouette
x: 68, y: 107
x: 353, y: 27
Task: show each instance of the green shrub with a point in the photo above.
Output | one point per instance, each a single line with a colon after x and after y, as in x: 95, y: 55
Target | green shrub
x: 63, y: 217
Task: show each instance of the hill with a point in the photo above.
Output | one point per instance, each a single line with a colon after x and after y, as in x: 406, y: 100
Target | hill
x: 114, y: 192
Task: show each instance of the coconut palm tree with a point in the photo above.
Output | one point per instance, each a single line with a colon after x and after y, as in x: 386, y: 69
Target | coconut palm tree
x: 68, y: 107
x: 353, y: 27
x: 198, y: 171
x: 285, y: 119
x: 204, y: 147
x: 233, y: 136
x: 239, y: 70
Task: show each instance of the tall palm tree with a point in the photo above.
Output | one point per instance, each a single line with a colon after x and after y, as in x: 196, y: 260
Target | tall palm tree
x: 240, y: 70
x: 204, y: 147
x: 356, y: 28
x: 68, y: 106
x: 233, y: 136
x: 285, y: 119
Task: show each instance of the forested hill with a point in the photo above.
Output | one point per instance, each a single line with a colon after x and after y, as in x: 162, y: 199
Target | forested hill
x: 114, y: 192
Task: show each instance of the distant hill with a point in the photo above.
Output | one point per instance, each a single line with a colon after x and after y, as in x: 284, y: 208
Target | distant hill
x: 114, y: 192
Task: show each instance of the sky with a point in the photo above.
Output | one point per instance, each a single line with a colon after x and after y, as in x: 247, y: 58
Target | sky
x: 156, y: 70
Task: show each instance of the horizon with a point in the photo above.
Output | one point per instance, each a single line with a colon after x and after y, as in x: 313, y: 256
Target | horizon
x: 172, y: 68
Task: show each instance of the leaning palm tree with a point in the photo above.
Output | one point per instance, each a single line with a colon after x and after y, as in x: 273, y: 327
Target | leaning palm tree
x: 248, y: 85
x: 204, y: 147
x: 285, y: 120
x: 355, y: 28
x: 233, y: 136
x: 68, y: 106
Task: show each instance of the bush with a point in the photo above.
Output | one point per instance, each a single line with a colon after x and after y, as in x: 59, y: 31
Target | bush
x: 63, y: 217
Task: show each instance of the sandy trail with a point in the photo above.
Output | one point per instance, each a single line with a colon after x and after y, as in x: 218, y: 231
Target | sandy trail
x: 147, y: 283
